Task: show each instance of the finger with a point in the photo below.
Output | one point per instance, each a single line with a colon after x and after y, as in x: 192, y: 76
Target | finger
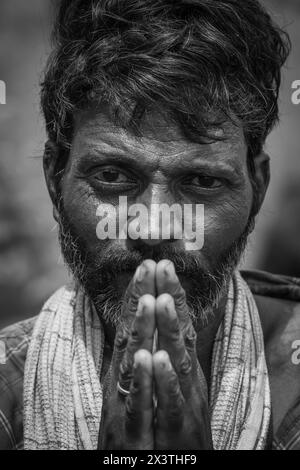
x: 171, y: 340
x: 170, y: 401
x: 167, y: 282
x: 139, y: 406
x: 141, y: 337
x: 143, y: 282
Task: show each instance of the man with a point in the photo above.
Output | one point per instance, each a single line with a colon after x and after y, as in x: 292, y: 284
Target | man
x: 154, y: 345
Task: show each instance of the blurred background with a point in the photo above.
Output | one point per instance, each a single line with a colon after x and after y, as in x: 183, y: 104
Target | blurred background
x: 30, y: 263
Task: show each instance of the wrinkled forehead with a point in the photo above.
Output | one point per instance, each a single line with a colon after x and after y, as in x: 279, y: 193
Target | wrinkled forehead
x: 158, y: 132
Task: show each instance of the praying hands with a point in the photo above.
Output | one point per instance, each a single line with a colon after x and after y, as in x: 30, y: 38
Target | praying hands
x: 156, y: 397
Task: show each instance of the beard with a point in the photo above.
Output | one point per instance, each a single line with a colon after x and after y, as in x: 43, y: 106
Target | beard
x: 98, y: 273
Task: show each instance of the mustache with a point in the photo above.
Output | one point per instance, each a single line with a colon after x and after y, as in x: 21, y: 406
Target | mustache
x: 120, y: 260
x: 97, y: 270
x: 113, y: 260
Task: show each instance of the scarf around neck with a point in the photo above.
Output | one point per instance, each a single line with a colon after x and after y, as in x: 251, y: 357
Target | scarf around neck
x: 63, y: 394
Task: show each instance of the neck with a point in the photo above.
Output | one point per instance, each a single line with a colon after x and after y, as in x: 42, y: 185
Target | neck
x: 206, y: 337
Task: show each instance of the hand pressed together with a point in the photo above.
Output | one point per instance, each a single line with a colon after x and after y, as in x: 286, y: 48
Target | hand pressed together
x: 166, y: 407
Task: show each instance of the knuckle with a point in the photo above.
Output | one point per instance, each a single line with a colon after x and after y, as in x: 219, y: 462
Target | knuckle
x: 125, y: 373
x: 129, y: 408
x: 135, y: 388
x: 132, y: 303
x: 173, y: 386
x: 131, y: 296
x: 174, y: 327
x: 135, y: 337
x: 175, y: 414
x: 132, y: 416
x: 180, y: 295
x: 128, y: 348
x: 185, y: 367
x: 190, y: 338
x: 121, y: 340
x: 133, y: 345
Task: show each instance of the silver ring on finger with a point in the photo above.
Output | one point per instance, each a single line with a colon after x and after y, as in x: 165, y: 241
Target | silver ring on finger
x: 122, y: 390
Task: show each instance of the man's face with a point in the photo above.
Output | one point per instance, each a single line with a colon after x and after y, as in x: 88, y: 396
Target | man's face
x: 161, y: 166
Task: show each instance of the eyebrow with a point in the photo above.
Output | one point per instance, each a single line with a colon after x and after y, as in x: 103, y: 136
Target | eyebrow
x: 96, y: 156
x: 228, y: 167
x: 99, y: 157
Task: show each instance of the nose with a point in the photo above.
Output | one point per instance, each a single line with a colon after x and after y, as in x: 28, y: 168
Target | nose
x: 156, y: 218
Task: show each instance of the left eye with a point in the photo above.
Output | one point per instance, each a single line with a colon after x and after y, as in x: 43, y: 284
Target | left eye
x: 109, y: 175
x: 207, y: 182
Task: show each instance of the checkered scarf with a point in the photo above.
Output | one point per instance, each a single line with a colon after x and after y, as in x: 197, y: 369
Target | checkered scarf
x: 63, y: 394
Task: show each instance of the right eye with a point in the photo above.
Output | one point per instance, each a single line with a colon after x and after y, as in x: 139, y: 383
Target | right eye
x: 112, y: 176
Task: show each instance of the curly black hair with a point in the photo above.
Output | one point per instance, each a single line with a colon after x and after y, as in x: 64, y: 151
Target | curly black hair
x: 202, y: 61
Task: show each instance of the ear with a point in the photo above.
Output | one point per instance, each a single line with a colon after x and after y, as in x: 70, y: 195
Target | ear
x: 261, y: 168
x: 51, y: 172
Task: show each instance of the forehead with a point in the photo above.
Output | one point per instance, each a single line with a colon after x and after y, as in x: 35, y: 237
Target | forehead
x: 95, y: 131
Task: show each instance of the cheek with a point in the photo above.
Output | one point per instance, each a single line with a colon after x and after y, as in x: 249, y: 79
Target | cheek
x: 81, y: 206
x: 226, y: 222
x: 96, y: 222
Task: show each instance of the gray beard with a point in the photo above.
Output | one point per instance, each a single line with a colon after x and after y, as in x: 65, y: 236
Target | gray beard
x: 97, y: 274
